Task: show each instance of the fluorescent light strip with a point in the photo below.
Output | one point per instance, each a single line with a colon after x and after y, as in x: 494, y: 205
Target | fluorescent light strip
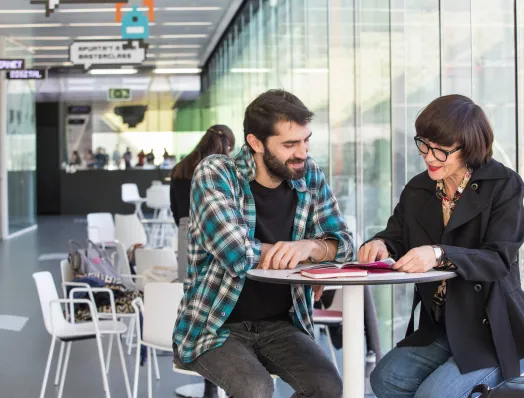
x: 172, y: 62
x: 113, y: 71
x: 92, y: 10
x: 179, y: 71
x: 44, y: 38
x: 188, y: 36
x: 98, y: 38
x: 310, y: 70
x: 30, y: 25
x: 50, y: 56
x: 250, y: 70
x: 192, y: 8
x: 171, y: 46
x: 187, y: 23
x: 49, y: 48
x: 177, y: 55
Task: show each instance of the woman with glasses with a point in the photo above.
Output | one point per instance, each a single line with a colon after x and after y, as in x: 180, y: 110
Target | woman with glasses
x: 464, y: 213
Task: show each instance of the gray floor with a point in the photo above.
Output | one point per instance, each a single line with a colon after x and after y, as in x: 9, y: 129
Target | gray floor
x: 23, y: 354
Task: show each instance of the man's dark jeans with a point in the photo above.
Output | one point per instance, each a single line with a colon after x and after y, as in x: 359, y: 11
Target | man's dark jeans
x: 254, y: 350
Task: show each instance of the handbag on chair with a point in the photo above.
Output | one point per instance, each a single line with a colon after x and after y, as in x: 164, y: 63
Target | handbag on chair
x: 511, y: 388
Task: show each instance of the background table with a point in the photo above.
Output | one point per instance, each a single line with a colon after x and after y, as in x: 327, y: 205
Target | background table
x: 352, y: 312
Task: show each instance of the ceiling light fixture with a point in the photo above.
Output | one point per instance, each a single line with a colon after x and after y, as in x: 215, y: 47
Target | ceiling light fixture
x: 113, y: 71
x: 250, y: 70
x: 187, y: 23
x: 30, y: 25
x: 49, y: 48
x: 188, y: 36
x: 42, y: 38
x: 167, y: 46
x: 179, y: 71
x: 50, y: 56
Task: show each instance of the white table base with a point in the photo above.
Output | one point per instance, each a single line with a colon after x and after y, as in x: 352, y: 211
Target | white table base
x: 353, y: 341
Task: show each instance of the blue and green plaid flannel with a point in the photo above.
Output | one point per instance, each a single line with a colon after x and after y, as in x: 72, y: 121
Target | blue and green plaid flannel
x: 222, y: 246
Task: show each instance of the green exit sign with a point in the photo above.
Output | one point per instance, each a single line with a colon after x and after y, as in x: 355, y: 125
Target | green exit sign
x: 119, y: 94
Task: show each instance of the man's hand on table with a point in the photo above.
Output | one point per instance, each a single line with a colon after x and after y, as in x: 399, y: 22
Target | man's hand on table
x: 286, y: 255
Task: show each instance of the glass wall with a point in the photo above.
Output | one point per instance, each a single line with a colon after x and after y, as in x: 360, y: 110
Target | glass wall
x: 367, y: 68
x: 20, y: 144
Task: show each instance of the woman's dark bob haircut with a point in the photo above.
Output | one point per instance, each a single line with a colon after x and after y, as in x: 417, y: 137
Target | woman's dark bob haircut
x: 455, y: 120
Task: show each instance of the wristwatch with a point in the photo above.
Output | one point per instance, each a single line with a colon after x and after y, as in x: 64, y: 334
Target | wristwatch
x: 438, y: 254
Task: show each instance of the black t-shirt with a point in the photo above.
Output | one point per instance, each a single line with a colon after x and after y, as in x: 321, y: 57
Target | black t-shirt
x: 179, y: 193
x: 275, y: 209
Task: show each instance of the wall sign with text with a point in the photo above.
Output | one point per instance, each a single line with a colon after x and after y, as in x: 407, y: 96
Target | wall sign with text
x: 106, y: 52
x: 12, y: 64
x: 27, y: 74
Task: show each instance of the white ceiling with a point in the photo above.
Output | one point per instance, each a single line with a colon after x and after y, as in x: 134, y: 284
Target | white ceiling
x: 180, y: 36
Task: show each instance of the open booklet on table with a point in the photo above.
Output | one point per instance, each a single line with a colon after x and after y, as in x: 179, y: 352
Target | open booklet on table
x: 346, y: 270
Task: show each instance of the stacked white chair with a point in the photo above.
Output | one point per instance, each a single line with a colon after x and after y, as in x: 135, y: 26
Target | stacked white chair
x: 101, y: 229
x: 131, y: 195
x: 129, y: 230
x: 163, y: 229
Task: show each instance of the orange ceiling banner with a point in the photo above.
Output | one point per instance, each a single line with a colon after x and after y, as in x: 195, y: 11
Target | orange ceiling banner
x: 119, y: 11
x: 151, y: 5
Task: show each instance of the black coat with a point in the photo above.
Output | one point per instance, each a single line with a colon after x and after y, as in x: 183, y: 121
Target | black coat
x: 484, y: 314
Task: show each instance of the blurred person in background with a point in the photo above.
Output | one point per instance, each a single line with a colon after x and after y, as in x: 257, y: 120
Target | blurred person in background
x: 141, y: 158
x: 218, y: 140
x: 128, y: 156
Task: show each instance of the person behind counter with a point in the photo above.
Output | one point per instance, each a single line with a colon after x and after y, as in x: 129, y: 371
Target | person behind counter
x: 218, y: 140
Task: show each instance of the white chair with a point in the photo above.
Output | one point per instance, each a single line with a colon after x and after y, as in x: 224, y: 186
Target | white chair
x: 67, y: 281
x: 60, y: 329
x: 101, y: 228
x: 159, y: 315
x: 163, y: 228
x: 129, y: 230
x: 131, y: 195
x: 149, y: 258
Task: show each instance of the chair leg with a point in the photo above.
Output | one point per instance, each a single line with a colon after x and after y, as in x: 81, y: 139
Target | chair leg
x: 131, y: 334
x: 109, y: 350
x: 124, y: 367
x: 157, y: 371
x: 66, y: 363
x: 149, y: 377
x: 59, y: 366
x: 331, y: 347
x: 137, y: 367
x: 102, y: 366
x: 47, y: 367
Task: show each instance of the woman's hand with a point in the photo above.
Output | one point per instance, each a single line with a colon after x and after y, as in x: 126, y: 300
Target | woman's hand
x: 418, y: 260
x: 372, y: 251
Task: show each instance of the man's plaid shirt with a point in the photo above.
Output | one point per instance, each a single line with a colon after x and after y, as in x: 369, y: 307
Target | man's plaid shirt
x: 222, y: 246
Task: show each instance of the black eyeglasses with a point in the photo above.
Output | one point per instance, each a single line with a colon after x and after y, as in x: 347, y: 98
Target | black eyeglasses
x: 440, y: 154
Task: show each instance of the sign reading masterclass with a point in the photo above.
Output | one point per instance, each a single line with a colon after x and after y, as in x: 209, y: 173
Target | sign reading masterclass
x: 110, y: 52
x: 11, y: 64
x: 27, y: 74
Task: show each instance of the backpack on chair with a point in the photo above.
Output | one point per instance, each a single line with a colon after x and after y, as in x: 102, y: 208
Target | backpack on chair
x: 90, y: 260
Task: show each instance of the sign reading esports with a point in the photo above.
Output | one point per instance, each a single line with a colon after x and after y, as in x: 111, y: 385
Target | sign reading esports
x: 27, y: 74
x: 11, y: 64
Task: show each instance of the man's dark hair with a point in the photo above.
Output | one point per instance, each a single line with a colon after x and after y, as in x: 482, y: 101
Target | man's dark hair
x: 271, y: 108
x: 456, y: 119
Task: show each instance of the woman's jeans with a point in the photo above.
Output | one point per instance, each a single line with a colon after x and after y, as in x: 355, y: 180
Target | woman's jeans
x: 428, y: 372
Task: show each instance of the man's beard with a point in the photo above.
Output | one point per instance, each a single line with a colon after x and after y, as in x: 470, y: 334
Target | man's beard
x: 281, y: 171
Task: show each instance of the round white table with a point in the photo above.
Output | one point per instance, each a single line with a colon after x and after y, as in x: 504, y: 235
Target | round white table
x: 352, y: 313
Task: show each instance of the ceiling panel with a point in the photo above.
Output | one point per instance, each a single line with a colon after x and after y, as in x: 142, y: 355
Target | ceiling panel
x: 179, y: 35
